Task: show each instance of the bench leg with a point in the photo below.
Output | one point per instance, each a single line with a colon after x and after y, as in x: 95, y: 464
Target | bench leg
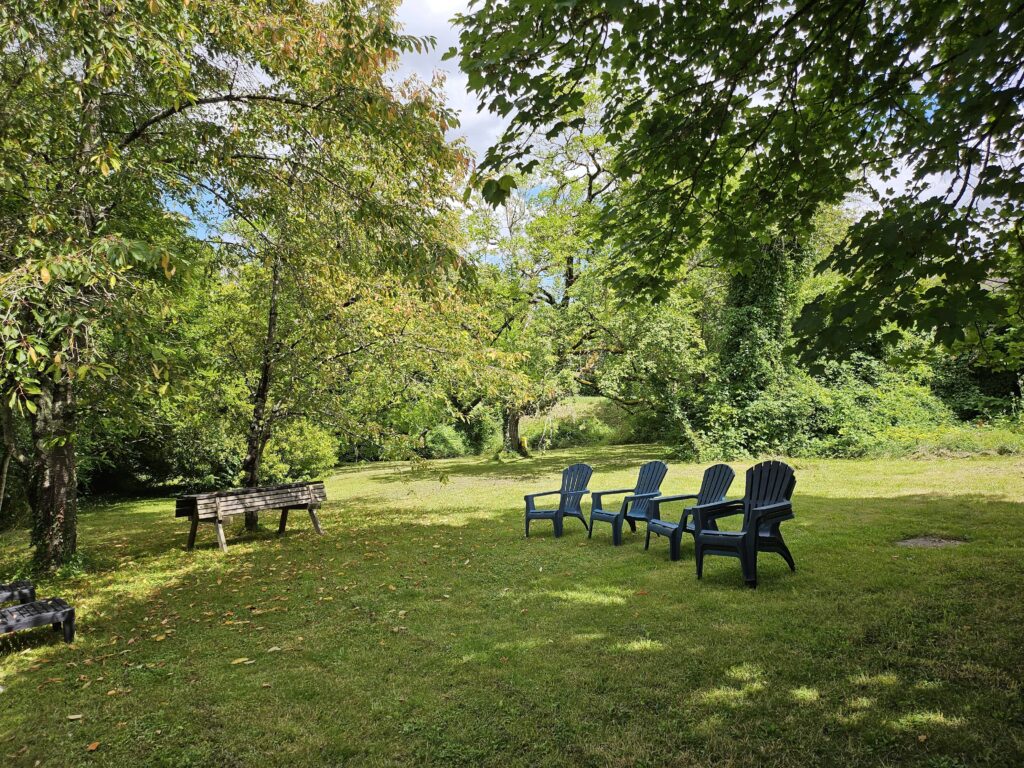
x: 315, y: 519
x: 69, y: 627
x: 220, y: 536
x: 284, y: 522
x: 192, y: 532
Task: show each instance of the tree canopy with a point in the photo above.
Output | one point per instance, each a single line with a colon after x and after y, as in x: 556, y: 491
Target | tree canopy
x: 737, y: 121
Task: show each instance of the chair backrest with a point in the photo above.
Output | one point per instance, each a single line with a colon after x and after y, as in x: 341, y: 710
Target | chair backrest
x: 767, y: 483
x: 648, y: 481
x: 574, y: 478
x: 715, y: 485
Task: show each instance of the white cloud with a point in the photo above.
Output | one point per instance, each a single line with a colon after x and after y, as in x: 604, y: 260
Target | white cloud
x: 433, y: 17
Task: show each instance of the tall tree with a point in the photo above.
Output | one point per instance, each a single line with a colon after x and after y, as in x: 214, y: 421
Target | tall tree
x: 738, y: 121
x: 113, y: 116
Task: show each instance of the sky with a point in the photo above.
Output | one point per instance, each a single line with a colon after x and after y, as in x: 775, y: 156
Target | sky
x: 432, y: 17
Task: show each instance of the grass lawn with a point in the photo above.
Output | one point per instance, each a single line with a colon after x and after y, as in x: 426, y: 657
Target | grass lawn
x: 422, y: 628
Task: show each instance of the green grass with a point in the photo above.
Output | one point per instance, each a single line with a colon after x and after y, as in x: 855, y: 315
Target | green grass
x: 423, y: 629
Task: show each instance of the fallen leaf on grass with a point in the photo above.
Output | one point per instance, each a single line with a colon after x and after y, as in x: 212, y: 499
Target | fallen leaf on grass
x: 93, y: 747
x: 74, y: 717
x: 275, y: 649
x: 240, y: 661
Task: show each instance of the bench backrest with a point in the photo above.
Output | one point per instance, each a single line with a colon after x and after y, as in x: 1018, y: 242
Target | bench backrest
x: 240, y: 500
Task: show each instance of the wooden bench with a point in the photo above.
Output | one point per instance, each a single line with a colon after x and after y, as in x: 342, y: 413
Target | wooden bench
x: 216, y: 507
x: 53, y: 611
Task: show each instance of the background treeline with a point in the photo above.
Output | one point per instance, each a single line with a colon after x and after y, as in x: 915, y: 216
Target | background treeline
x: 532, y: 345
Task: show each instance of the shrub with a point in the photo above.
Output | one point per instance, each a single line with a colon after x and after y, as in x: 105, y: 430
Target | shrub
x: 481, y: 430
x: 573, y: 433
x: 578, y: 421
x: 298, y: 450
x: 445, y: 442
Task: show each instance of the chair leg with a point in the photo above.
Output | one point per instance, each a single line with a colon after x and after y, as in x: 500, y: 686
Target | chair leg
x: 617, y: 532
x: 632, y: 524
x: 698, y: 554
x: 527, y: 527
x: 558, y: 527
x: 787, y: 556
x: 69, y: 627
x: 647, y: 540
x: 748, y: 562
x: 284, y: 522
x: 192, y: 533
x: 675, y: 542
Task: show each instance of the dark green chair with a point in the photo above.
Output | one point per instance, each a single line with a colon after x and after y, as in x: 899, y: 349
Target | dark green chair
x: 570, y: 498
x: 634, y: 506
x: 766, y: 504
x: 713, y: 488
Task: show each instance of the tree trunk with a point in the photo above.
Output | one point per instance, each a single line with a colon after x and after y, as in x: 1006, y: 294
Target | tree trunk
x: 511, y: 441
x: 11, y: 451
x: 53, y: 491
x: 259, y: 425
x: 3, y: 483
x: 569, y: 277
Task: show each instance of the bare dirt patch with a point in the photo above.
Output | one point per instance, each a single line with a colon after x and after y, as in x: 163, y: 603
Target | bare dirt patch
x: 930, y: 542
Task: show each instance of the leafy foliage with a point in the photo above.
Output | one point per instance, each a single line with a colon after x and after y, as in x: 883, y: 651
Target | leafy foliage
x: 735, y: 122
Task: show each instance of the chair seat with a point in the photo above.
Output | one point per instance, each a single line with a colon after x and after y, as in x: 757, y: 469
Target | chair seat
x: 763, y: 532
x: 668, y: 527
x: 607, y: 516
x: 548, y: 514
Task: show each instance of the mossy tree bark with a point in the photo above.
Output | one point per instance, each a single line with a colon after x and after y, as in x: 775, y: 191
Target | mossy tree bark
x: 53, y: 493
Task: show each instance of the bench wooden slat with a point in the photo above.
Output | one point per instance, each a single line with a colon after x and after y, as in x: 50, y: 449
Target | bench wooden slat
x: 235, y: 502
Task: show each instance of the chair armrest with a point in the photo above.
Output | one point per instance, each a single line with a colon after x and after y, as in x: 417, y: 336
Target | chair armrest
x: 704, y: 515
x: 595, y: 497
x: 637, y: 496
x: 633, y: 497
x: 768, y: 511
x: 542, y: 493
x: 531, y: 496
x: 656, y: 505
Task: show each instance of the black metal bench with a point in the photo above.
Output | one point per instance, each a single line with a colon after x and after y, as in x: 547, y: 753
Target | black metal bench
x: 17, y: 592
x: 216, y: 507
x: 53, y: 611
